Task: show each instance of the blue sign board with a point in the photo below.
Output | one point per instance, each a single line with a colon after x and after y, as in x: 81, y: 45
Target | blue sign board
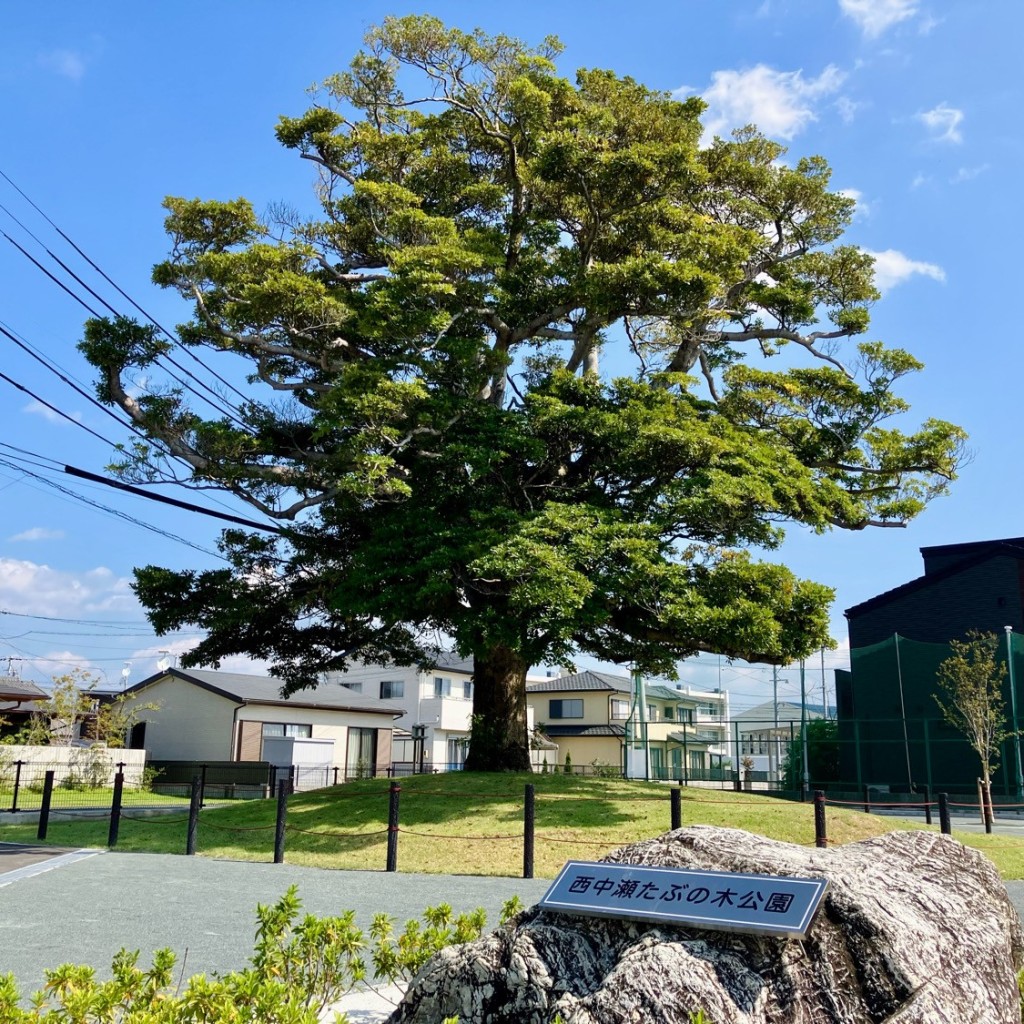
x: 721, y: 900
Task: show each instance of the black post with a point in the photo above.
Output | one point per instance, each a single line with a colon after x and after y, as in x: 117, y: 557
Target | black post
x: 927, y: 805
x: 202, y: 785
x: 17, y: 785
x: 335, y: 775
x: 867, y: 800
x: 944, y: 814
x: 529, y: 826
x: 115, y: 807
x: 194, y: 805
x: 282, y: 817
x: 677, y: 809
x: 820, y: 839
x: 44, y: 806
x: 393, y: 793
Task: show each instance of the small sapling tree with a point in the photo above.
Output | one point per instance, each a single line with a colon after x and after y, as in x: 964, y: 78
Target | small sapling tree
x: 971, y: 681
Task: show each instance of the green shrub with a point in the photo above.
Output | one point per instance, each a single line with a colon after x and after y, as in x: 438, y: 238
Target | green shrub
x: 298, y: 969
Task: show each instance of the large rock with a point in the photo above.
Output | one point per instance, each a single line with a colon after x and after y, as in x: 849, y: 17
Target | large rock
x: 915, y: 929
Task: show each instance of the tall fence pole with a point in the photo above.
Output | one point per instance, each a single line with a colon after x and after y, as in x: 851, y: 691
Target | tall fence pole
x: 928, y: 804
x: 195, y: 803
x: 944, y: 814
x: 282, y: 817
x: 820, y: 839
x: 394, y: 791
x: 44, y: 806
x: 529, y: 826
x: 202, y: 785
x: 17, y: 785
x: 677, y: 809
x: 115, y: 806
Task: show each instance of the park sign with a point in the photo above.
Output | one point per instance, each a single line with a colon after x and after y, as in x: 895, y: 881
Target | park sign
x: 720, y: 900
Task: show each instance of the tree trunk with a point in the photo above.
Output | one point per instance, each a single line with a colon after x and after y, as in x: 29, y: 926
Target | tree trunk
x: 986, y: 796
x: 499, y: 741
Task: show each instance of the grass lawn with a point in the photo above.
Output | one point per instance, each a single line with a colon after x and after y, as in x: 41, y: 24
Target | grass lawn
x: 64, y: 799
x: 463, y: 823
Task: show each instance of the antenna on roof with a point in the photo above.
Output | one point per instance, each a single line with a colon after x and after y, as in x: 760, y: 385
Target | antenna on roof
x: 125, y: 673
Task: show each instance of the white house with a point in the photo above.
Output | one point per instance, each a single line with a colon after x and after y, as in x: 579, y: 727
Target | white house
x: 764, y: 732
x: 228, y: 716
x: 436, y: 706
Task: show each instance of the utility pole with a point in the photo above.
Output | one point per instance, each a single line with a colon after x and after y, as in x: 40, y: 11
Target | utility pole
x: 1013, y: 710
x: 803, y: 730
x: 774, y: 746
x: 824, y: 692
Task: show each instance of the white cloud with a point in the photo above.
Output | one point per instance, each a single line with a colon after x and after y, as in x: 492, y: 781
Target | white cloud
x: 38, y: 409
x: 70, y: 64
x: 38, y: 533
x: 893, y: 267
x: 780, y: 103
x: 943, y: 121
x: 863, y: 208
x: 919, y: 180
x: 968, y: 174
x: 35, y: 589
x: 874, y: 17
x: 847, y: 108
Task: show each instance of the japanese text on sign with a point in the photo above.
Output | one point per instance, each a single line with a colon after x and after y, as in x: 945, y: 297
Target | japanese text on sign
x: 767, y: 904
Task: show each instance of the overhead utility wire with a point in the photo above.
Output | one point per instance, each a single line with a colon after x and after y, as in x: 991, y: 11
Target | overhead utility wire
x: 54, y: 409
x: 61, y: 375
x: 57, y: 372
x: 106, y: 508
x: 177, y: 503
x: 118, y: 288
x: 115, y: 313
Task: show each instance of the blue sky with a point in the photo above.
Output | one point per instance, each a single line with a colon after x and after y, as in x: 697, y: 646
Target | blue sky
x: 110, y: 107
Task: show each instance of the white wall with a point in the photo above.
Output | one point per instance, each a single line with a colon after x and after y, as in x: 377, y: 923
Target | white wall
x: 99, y: 763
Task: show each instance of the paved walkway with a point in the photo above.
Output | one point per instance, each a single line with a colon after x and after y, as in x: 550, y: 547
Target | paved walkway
x: 82, y: 907
x: 60, y: 906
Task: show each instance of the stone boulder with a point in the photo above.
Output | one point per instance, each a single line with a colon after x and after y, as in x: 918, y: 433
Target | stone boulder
x: 915, y: 929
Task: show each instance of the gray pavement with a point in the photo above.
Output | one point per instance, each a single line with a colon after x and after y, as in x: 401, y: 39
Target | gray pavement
x: 82, y: 908
x: 59, y: 906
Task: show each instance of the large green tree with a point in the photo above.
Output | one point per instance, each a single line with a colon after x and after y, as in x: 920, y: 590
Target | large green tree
x: 537, y: 374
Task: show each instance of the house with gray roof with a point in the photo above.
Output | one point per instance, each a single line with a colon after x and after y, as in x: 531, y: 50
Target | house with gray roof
x: 18, y: 698
x: 596, y: 718
x: 226, y: 716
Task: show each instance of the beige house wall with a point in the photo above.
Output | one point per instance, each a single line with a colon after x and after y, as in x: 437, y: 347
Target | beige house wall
x: 325, y: 726
x: 584, y: 750
x: 192, y: 723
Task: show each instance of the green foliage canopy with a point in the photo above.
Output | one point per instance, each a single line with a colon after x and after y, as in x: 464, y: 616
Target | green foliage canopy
x: 532, y: 378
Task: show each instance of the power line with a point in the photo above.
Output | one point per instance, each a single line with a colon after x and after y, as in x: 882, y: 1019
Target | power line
x: 117, y: 288
x: 107, y: 509
x: 188, y: 505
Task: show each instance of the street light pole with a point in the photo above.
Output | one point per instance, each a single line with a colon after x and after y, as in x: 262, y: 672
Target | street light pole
x: 1013, y: 710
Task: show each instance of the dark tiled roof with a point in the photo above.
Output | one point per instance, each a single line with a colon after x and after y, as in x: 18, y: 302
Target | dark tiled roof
x: 15, y: 689
x: 590, y: 681
x: 266, y: 690
x: 554, y: 731
x: 582, y: 681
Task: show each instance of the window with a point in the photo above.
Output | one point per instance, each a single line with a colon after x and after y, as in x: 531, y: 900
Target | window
x: 467, y: 690
x: 361, y: 762
x: 565, y: 708
x: 652, y: 713
x: 391, y: 688
x: 620, y: 709
x: 669, y: 713
x: 442, y: 687
x: 354, y: 687
x: 286, y: 729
